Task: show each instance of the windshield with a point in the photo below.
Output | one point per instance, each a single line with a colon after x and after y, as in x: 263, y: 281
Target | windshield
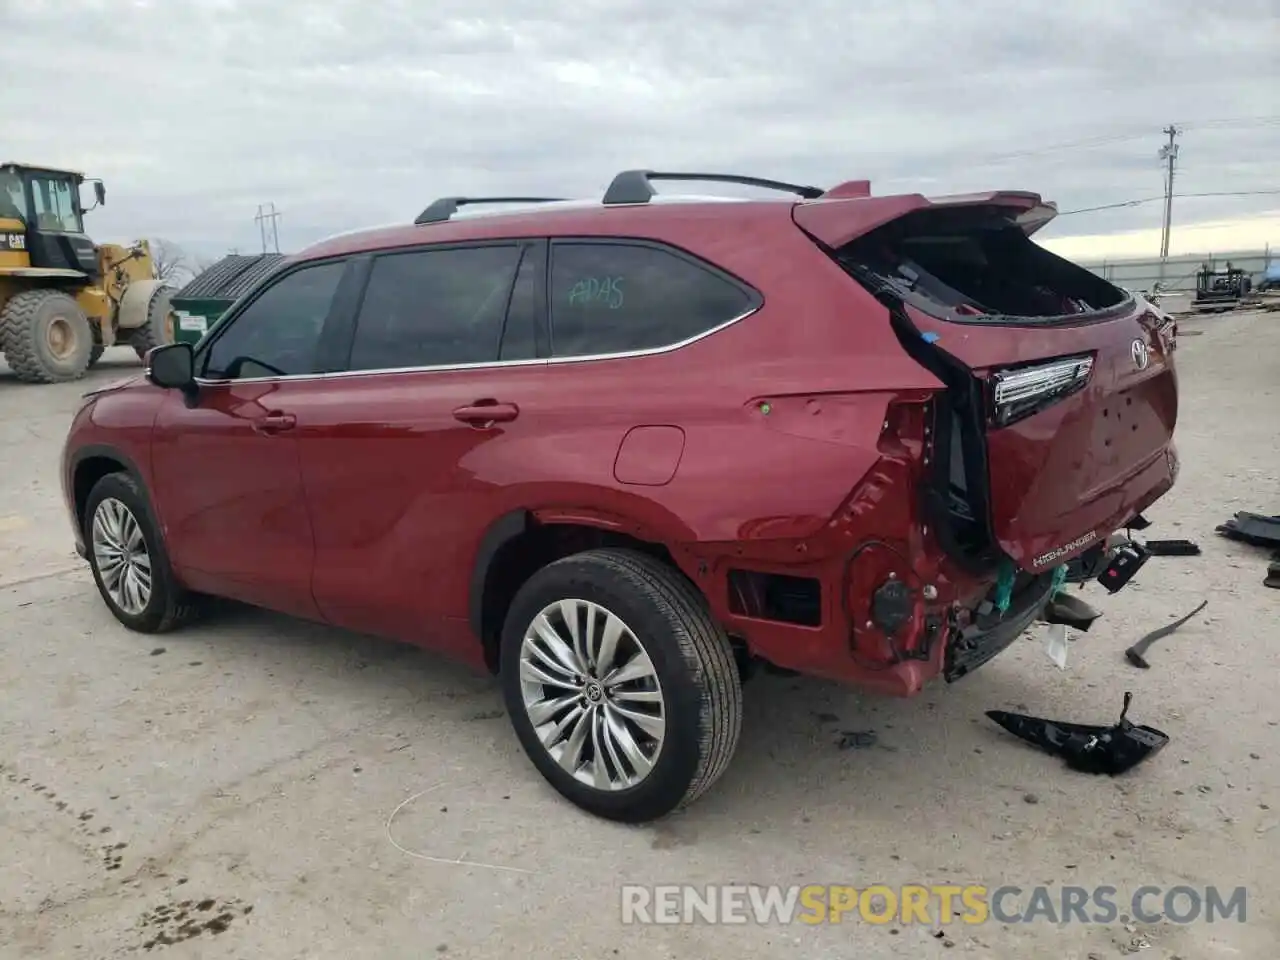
x: 12, y: 202
x: 55, y: 206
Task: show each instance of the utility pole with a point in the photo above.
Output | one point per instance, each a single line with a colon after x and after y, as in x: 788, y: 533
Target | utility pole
x: 267, y: 213
x: 1168, y: 153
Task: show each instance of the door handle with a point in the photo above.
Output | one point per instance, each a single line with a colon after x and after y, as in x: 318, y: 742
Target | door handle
x: 485, y: 413
x: 274, y: 423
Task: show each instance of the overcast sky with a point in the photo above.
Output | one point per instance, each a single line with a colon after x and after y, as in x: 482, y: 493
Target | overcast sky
x: 347, y: 114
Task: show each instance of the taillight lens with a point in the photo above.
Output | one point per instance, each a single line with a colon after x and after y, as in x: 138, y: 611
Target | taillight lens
x: 1020, y: 393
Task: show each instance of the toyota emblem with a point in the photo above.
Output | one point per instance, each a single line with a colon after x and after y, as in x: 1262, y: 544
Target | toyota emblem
x: 1141, y: 355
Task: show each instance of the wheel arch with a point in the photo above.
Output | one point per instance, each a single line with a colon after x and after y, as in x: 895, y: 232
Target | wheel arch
x: 91, y: 463
x: 521, y: 542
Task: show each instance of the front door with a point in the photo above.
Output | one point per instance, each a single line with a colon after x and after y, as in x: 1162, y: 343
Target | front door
x: 226, y: 465
x: 407, y: 456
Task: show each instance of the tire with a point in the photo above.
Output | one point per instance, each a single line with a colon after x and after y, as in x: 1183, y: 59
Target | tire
x: 45, y: 336
x: 157, y: 330
x: 167, y: 604
x: 693, y: 669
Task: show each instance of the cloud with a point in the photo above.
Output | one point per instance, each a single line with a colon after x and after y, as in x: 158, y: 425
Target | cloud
x: 344, y: 114
x: 1216, y: 238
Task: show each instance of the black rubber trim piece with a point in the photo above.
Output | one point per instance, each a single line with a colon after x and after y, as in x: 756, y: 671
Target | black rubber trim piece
x: 89, y: 452
x: 501, y: 531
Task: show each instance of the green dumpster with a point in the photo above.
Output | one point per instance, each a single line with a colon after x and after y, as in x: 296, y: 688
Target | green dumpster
x: 198, y: 305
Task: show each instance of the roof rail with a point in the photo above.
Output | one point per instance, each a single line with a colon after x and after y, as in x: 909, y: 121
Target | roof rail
x: 444, y: 208
x: 635, y: 186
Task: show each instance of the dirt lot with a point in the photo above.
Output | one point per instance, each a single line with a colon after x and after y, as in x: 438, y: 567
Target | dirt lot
x: 245, y: 773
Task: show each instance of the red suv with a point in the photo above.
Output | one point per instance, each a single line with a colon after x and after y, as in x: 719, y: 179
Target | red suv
x: 620, y: 451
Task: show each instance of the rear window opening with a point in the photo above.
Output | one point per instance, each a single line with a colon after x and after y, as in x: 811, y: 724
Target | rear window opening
x: 975, y: 264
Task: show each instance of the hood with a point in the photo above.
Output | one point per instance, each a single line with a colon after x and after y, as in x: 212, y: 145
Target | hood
x: 136, y: 380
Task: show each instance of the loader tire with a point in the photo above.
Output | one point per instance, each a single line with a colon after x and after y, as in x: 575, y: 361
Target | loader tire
x: 46, y: 337
x: 158, y: 330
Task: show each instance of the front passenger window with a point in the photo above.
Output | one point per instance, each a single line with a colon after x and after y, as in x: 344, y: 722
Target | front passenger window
x: 278, y: 334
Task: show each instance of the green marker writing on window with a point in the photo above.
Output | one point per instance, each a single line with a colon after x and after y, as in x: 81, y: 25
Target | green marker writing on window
x: 603, y: 290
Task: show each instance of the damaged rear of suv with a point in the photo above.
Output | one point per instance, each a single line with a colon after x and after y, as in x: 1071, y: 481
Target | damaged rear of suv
x: 1055, y: 423
x: 621, y: 451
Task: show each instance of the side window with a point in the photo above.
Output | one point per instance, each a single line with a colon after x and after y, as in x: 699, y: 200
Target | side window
x: 13, y: 199
x: 518, y: 337
x: 54, y: 205
x: 279, y: 332
x: 429, y: 308
x: 619, y: 297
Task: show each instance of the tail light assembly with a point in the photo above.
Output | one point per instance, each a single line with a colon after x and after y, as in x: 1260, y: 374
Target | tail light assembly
x: 1024, y: 391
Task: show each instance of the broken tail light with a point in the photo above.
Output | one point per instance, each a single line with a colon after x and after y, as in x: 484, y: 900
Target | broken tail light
x: 1020, y: 393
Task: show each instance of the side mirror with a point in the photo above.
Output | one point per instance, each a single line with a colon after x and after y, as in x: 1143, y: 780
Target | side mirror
x: 172, y: 366
x: 100, y: 192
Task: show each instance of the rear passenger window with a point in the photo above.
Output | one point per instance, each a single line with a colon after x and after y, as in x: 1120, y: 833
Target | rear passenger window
x: 434, y: 307
x: 623, y: 297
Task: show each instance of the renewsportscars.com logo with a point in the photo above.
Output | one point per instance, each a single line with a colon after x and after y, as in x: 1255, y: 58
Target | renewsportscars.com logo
x: 933, y: 905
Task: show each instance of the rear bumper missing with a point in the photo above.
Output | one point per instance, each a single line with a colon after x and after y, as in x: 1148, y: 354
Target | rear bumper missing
x: 977, y: 644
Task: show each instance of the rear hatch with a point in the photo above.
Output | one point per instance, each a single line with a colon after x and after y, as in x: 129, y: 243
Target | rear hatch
x: 1058, y: 420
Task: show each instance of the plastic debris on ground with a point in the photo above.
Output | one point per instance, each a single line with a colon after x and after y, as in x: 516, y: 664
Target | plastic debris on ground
x: 1055, y: 645
x: 1087, y: 748
x: 1172, y: 548
x: 1136, y: 654
x: 1254, y: 528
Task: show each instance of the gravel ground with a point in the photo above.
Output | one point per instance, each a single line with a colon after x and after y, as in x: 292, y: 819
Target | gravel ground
x: 250, y: 768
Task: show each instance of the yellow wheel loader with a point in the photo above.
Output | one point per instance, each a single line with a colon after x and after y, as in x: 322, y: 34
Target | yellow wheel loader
x: 63, y: 299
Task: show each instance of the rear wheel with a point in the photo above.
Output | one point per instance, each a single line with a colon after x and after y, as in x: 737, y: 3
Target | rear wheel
x: 128, y: 558
x: 45, y: 336
x: 622, y: 688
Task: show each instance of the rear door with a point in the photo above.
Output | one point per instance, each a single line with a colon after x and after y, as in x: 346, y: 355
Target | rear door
x: 1064, y: 384
x: 404, y: 454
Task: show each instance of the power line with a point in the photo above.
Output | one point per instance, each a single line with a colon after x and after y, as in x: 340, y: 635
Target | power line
x: 1134, y: 134
x: 1177, y: 196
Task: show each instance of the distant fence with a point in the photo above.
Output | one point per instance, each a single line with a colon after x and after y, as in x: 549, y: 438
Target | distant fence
x: 1178, y: 273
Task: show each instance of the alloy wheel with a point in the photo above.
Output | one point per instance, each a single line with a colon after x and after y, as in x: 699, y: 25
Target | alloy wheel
x: 592, y: 694
x: 121, y: 556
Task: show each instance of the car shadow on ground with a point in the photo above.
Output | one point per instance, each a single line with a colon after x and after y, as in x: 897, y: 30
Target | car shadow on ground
x: 809, y: 747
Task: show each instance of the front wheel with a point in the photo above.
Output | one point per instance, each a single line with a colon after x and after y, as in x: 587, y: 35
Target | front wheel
x: 622, y: 688
x: 45, y: 336
x: 128, y: 558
